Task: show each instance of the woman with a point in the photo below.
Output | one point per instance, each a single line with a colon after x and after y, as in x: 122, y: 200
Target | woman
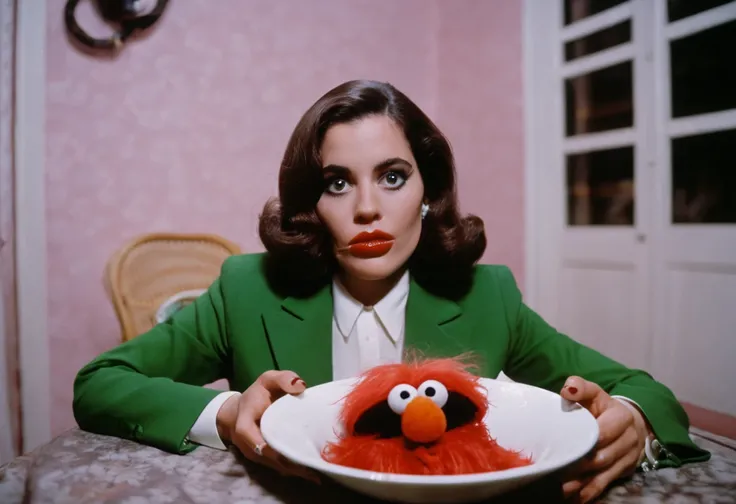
x: 367, y: 257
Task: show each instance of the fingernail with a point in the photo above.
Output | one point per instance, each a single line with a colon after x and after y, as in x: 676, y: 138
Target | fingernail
x: 303, y: 382
x: 293, y: 382
x: 573, y: 390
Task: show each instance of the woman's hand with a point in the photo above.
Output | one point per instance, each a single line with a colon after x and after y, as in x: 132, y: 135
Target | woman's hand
x: 239, y: 418
x: 623, y: 432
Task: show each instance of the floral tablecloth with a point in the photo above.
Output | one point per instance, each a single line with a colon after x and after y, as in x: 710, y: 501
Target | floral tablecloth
x: 79, y: 467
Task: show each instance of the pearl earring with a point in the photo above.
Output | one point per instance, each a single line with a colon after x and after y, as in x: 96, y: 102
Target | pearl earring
x: 425, y: 210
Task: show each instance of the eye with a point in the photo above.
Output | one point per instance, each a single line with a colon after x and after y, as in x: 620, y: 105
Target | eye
x: 435, y: 391
x: 394, y: 179
x: 400, y: 396
x: 337, y: 186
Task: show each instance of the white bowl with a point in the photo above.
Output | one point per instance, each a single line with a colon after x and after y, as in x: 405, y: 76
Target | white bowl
x: 554, y: 431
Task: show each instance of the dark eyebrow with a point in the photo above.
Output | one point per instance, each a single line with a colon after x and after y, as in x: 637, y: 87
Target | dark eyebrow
x: 342, y: 170
x: 391, y: 162
x: 338, y: 170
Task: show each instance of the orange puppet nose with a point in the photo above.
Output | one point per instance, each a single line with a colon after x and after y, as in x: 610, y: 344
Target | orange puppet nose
x: 423, y: 421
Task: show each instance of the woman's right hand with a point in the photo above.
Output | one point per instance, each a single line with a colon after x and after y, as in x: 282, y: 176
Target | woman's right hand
x: 239, y: 418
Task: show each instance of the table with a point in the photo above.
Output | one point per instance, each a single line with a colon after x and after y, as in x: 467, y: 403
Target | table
x: 80, y: 467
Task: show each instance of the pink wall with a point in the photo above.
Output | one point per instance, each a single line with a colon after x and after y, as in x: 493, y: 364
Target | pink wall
x: 480, y: 110
x: 185, y: 129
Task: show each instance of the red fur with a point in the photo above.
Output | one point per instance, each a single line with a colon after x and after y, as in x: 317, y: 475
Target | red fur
x: 376, y: 383
x: 463, y: 450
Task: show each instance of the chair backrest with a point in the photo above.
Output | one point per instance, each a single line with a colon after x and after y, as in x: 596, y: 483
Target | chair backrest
x: 155, y: 274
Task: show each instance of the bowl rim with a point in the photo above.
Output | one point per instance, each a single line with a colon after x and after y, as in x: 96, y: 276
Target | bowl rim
x: 538, y: 468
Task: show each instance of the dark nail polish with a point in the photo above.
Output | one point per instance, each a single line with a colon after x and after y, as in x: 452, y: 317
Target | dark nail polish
x: 293, y: 382
x: 303, y: 382
x: 573, y: 390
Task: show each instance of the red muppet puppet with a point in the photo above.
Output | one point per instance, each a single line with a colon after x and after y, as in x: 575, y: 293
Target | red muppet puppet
x: 419, y: 418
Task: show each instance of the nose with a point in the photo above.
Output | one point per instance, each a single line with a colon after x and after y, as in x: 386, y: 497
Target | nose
x: 423, y: 421
x: 366, y: 206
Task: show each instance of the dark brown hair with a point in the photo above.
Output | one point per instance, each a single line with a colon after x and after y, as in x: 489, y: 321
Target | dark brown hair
x: 300, y: 255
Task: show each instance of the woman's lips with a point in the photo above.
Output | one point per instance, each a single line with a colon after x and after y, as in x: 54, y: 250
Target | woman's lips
x: 367, y: 245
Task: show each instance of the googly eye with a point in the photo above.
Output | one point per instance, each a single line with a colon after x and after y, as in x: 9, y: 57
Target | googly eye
x: 435, y: 391
x: 400, y: 396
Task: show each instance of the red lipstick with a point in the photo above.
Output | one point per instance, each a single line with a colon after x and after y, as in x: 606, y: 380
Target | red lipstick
x: 368, y: 245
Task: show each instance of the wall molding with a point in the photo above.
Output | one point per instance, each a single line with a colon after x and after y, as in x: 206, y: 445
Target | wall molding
x: 714, y: 422
x: 30, y: 222
x: 536, y: 69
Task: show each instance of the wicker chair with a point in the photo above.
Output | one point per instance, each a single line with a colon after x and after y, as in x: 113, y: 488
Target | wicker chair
x: 154, y: 275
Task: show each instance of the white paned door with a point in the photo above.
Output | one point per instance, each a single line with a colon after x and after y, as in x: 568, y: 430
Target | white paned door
x: 695, y: 255
x: 633, y: 156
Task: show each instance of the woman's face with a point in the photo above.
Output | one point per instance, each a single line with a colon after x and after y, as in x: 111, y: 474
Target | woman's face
x: 372, y: 198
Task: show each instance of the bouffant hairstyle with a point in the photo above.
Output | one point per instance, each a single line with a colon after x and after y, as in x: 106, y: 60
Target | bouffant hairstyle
x: 301, y: 256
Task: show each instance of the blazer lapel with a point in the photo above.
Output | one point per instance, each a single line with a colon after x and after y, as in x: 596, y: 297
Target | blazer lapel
x: 299, y: 331
x: 435, y: 327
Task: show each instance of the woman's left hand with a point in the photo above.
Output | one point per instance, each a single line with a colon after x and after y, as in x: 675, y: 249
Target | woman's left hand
x: 622, y: 432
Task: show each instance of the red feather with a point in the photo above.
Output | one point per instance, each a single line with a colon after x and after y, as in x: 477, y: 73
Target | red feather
x: 463, y: 450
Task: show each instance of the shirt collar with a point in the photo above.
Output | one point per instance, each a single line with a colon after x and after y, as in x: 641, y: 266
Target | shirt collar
x: 390, y: 309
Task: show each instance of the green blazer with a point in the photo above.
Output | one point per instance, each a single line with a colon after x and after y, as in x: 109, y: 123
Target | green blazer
x: 150, y: 388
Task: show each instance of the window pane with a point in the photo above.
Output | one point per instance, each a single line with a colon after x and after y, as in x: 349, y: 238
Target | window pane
x: 703, y: 71
x: 704, y: 178
x: 600, y: 188
x: 598, y: 41
x: 600, y: 100
x: 678, y: 9
x: 576, y: 10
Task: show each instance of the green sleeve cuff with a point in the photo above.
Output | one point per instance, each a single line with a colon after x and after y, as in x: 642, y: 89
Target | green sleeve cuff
x: 184, y: 403
x: 669, y: 423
